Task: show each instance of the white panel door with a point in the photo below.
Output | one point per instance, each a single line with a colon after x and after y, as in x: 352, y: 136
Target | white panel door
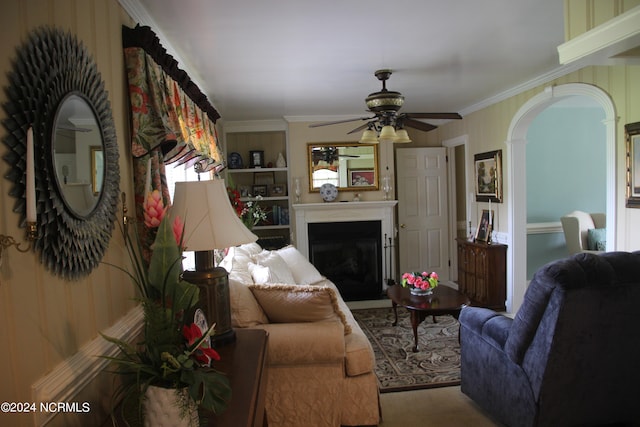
x: 423, y: 210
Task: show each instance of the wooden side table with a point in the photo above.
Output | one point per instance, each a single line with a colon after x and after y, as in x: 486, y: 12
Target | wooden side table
x: 245, y: 363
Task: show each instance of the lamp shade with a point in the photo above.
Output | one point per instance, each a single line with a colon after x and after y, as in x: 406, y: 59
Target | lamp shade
x: 387, y: 134
x: 402, y: 137
x: 369, y: 137
x: 210, y: 220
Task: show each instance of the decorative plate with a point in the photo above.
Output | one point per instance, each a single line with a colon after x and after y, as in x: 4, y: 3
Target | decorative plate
x: 235, y: 161
x: 329, y: 192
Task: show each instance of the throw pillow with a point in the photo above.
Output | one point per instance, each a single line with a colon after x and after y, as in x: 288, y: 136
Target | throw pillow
x: 304, y: 273
x: 299, y: 303
x: 597, y: 239
x: 277, y: 271
x: 245, y: 310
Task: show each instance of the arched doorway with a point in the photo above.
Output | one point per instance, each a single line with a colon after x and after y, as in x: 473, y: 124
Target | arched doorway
x: 516, y: 191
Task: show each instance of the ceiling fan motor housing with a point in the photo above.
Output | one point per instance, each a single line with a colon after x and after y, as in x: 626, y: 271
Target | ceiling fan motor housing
x: 385, y: 100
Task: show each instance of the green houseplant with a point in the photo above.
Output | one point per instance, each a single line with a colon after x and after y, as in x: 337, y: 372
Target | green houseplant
x: 174, y: 352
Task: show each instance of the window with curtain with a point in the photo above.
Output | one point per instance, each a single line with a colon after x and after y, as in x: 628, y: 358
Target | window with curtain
x: 173, y: 123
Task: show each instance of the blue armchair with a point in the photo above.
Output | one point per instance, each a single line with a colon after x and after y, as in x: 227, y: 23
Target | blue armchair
x: 570, y: 355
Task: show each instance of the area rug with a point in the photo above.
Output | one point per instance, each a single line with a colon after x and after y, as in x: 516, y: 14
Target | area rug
x: 398, y: 368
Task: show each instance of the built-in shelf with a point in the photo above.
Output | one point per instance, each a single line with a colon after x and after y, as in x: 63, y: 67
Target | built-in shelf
x: 271, y: 182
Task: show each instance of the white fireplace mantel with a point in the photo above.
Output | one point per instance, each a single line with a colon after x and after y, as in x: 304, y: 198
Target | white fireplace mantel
x: 309, y: 213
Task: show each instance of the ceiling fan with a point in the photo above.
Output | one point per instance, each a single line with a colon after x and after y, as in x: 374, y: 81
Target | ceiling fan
x: 328, y: 155
x: 385, y: 105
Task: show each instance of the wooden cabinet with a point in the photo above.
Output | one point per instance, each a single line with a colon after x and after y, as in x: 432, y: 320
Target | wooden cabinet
x: 482, y: 273
x: 269, y: 181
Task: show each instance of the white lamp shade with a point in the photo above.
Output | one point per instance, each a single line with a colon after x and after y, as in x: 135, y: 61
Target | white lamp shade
x: 369, y: 137
x: 387, y: 134
x: 402, y: 137
x: 210, y: 220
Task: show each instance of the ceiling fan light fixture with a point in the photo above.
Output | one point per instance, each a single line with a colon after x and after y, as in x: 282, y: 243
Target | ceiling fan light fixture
x: 369, y: 137
x: 402, y: 137
x: 387, y: 134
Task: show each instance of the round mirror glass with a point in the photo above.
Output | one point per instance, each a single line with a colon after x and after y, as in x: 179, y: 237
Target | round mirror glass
x: 78, y: 155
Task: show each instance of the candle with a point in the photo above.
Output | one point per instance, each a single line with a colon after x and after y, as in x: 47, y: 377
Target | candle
x: 31, y: 179
x: 490, y: 213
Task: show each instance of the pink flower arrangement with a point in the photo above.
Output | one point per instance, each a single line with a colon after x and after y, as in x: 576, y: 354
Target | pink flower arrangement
x: 424, y: 280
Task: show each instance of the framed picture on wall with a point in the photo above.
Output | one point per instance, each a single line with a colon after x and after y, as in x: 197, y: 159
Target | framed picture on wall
x: 488, y: 176
x: 633, y: 164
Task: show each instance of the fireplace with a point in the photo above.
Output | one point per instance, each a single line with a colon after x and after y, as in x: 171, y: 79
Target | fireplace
x: 370, y: 223
x: 349, y: 254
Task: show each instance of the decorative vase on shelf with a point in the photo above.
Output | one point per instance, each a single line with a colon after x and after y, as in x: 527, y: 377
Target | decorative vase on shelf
x: 169, y: 407
x: 421, y: 292
x: 281, y: 162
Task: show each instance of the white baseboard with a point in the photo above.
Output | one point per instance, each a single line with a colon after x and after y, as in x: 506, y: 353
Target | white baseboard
x: 74, y: 374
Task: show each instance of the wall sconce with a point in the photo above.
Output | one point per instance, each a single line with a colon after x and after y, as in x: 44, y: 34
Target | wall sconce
x: 7, y: 241
x: 32, y: 225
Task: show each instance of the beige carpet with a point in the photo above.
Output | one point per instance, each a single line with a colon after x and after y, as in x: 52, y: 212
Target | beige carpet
x: 436, y: 364
x: 435, y: 407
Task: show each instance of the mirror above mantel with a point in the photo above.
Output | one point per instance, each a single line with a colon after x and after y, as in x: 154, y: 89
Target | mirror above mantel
x: 349, y: 166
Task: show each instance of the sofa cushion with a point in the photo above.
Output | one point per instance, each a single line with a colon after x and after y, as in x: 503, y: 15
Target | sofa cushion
x: 283, y: 303
x: 304, y: 273
x: 269, y: 267
x: 245, y: 310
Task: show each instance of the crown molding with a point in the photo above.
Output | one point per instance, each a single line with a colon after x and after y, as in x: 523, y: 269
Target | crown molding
x: 611, y: 43
x: 523, y: 87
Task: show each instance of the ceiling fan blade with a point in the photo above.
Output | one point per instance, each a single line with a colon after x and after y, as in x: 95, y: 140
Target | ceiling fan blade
x: 315, y: 125
x: 442, y: 116
x: 418, y: 125
x: 359, y: 128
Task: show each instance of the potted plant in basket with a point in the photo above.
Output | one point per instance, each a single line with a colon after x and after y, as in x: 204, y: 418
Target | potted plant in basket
x: 173, y: 360
x: 420, y: 283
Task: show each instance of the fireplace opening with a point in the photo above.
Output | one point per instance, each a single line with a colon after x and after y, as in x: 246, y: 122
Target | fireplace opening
x: 349, y: 254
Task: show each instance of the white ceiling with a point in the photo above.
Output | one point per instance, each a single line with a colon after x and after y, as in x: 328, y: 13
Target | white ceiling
x: 259, y: 60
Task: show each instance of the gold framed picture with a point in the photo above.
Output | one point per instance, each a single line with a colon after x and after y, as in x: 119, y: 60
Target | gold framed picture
x: 488, y: 176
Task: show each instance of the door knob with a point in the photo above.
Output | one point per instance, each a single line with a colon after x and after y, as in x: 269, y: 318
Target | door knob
x: 402, y: 226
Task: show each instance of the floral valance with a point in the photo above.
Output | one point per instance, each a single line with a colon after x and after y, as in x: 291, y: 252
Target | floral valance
x: 168, y: 110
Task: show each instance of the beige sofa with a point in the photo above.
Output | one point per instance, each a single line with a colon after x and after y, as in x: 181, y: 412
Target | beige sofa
x: 320, y: 362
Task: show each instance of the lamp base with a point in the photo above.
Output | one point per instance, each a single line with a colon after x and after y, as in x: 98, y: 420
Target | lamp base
x: 214, y: 301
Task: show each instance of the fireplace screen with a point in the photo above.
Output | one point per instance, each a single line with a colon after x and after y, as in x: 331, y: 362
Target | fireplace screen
x: 349, y: 254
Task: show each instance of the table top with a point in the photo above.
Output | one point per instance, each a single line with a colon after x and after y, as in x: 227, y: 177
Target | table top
x: 243, y: 361
x: 444, y: 299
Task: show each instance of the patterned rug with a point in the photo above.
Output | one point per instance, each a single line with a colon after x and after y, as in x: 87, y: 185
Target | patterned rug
x: 398, y: 368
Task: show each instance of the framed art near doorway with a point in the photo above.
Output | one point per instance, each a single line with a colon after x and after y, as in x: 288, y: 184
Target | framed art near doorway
x: 488, y: 176
x: 633, y: 164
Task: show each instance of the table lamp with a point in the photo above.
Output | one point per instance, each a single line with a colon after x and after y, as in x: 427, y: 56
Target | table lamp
x: 210, y: 223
